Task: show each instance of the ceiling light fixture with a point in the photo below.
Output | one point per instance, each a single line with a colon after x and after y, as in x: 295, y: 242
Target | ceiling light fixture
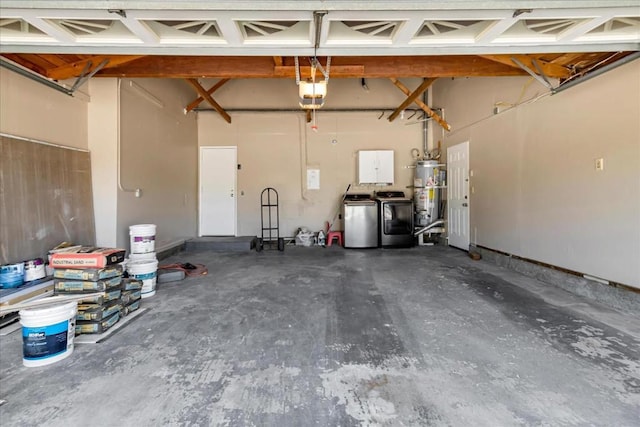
x: 312, y: 92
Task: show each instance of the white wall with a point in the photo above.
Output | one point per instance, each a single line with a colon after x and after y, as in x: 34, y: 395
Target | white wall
x: 158, y: 155
x: 537, y: 193
x: 275, y: 149
x: 32, y: 110
x: 103, y: 138
x: 159, y: 148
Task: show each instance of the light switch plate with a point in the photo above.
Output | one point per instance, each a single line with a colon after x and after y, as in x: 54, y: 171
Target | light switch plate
x: 600, y: 164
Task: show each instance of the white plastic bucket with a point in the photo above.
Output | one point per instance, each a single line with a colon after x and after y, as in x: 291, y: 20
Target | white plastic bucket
x: 34, y: 270
x: 145, y: 270
x: 11, y: 275
x: 143, y: 238
x: 147, y: 256
x: 47, y: 333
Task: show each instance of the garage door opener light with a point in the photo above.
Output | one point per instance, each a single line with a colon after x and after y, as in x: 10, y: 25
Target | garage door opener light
x: 312, y: 92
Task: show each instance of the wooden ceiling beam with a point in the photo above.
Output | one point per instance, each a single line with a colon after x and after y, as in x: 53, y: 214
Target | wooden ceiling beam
x: 185, y: 67
x: 64, y: 66
x: 549, y: 68
x: 193, y: 104
x: 56, y: 60
x: 345, y: 67
x: 75, y: 69
x: 412, y: 97
x: 24, y: 61
x: 198, y: 87
x: 567, y: 59
x: 433, y: 66
x: 446, y: 126
x: 337, y: 71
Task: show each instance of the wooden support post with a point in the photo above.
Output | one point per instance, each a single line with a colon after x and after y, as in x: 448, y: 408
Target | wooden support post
x: 308, y: 115
x: 210, y: 100
x: 446, y: 126
x: 411, y: 98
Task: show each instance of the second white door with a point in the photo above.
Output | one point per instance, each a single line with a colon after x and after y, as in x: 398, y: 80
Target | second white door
x: 218, y: 167
x: 458, y: 195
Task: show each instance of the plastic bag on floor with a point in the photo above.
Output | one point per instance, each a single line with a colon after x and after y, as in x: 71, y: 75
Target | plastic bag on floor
x: 304, y: 237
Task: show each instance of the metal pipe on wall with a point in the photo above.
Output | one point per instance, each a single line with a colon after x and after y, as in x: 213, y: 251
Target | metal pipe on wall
x: 425, y: 125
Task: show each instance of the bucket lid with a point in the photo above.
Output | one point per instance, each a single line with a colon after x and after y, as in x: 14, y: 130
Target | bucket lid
x: 49, y: 309
x: 10, y: 268
x: 153, y: 226
x: 33, y: 262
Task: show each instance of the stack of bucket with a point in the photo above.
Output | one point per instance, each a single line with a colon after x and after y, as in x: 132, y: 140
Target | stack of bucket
x: 11, y: 275
x: 142, y: 263
x: 14, y: 275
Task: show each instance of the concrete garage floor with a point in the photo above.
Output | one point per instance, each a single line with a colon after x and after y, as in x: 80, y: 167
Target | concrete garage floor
x: 334, y: 337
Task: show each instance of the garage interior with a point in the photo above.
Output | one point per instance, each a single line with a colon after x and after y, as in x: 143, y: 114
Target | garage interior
x: 108, y: 111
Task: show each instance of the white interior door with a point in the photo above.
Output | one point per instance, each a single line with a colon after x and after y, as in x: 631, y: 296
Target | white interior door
x: 458, y: 195
x: 218, y: 167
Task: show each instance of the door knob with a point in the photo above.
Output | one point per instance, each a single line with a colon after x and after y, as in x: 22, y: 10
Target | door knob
x: 465, y: 204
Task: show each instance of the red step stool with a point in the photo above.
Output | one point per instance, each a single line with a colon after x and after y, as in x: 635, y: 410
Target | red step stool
x: 331, y: 235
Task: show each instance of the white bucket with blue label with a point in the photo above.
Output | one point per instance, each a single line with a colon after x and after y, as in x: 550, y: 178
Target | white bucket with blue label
x: 143, y: 238
x: 145, y: 270
x: 47, y: 333
x: 11, y: 275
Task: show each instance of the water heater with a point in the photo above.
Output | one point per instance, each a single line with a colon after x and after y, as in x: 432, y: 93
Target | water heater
x: 427, y: 187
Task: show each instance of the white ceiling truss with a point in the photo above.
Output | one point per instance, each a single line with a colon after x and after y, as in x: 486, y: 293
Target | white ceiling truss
x: 343, y: 32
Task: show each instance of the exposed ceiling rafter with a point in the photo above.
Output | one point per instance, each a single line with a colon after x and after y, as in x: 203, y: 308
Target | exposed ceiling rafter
x: 412, y: 97
x: 198, y: 87
x: 193, y: 104
x: 430, y: 113
x: 549, y: 68
x: 557, y: 39
x: 74, y: 69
